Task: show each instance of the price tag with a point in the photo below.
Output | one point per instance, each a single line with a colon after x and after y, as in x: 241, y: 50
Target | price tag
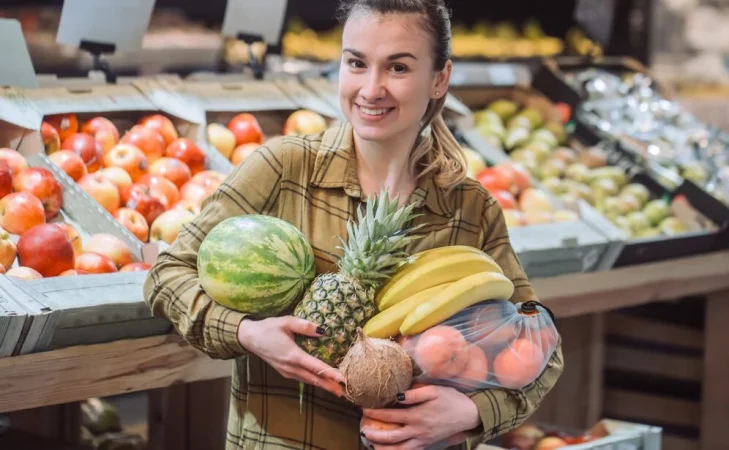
x: 17, y: 68
x: 118, y: 22
x: 256, y: 18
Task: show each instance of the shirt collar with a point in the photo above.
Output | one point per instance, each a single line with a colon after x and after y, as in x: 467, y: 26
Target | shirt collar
x: 336, y: 167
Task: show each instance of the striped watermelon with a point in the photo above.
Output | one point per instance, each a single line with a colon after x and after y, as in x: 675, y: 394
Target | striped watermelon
x: 255, y: 264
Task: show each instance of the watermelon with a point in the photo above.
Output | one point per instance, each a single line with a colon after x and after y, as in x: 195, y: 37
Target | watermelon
x: 255, y: 264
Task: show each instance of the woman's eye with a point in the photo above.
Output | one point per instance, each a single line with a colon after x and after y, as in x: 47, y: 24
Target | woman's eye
x: 356, y: 63
x: 399, y: 68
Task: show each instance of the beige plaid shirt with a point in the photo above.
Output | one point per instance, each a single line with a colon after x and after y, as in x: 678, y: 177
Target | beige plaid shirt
x: 312, y: 183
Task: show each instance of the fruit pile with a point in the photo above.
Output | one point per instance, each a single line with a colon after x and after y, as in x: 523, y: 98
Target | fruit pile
x: 33, y: 233
x: 243, y: 134
x: 532, y: 437
x: 149, y: 178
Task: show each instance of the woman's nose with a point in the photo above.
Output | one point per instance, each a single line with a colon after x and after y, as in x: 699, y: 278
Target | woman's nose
x: 373, y: 89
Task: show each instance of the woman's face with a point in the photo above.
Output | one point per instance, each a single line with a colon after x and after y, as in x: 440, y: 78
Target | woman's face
x: 386, y: 78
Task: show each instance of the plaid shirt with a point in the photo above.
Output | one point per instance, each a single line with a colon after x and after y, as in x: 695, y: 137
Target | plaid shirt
x: 312, y: 183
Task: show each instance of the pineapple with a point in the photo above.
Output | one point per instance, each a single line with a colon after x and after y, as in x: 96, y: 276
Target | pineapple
x: 345, y: 300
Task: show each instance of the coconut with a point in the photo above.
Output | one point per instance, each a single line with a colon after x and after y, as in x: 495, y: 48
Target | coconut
x: 375, y: 370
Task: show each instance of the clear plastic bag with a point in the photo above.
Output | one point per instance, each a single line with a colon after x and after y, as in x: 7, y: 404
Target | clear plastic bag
x: 493, y: 344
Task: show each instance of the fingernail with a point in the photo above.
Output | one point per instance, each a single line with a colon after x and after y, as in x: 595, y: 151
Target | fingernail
x: 321, y: 330
x: 400, y: 397
x: 361, y: 433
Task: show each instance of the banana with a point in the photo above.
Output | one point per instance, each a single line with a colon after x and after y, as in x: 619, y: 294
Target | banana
x: 456, y: 297
x: 387, y: 323
x: 434, y: 271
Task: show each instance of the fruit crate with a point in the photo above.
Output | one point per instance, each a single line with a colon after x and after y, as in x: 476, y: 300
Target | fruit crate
x: 590, y: 243
x: 269, y: 104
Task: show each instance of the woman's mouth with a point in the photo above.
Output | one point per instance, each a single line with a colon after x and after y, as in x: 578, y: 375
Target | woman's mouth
x: 373, y: 114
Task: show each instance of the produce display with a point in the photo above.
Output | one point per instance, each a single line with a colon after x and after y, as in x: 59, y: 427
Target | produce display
x: 531, y: 437
x: 149, y: 178
x: 243, y: 133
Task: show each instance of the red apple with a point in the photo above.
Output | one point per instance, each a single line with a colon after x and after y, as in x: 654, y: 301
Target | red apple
x: 195, y: 193
x: 133, y: 221
x: 187, y: 205
x: 104, y: 131
x: 102, y: 190
x: 136, y: 267
x: 23, y: 273
x: 13, y: 159
x: 246, y: 129
x: 173, y: 169
x: 111, y: 246
x: 120, y: 177
x: 41, y: 183
x: 148, y: 140
x: 162, y: 125
x: 242, y: 152
x: 505, y: 199
x: 161, y: 188
x: 65, y: 124
x: 188, y: 152
x: 304, y: 122
x: 72, y: 273
x: 6, y: 179
x: 21, y: 211
x: 209, y: 179
x: 51, y: 139
x: 73, y: 236
x: 8, y: 250
x: 70, y: 162
x: 493, y: 179
x: 46, y: 249
x: 95, y: 263
x: 168, y: 224
x: 88, y: 149
x: 141, y: 200
x: 129, y: 158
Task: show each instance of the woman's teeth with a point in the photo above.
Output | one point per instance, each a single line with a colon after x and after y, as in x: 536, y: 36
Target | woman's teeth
x: 373, y: 112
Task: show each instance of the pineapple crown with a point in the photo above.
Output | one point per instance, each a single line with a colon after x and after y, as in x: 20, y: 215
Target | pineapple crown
x: 376, y: 244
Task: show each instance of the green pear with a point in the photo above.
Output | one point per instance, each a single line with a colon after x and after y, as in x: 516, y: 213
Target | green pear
x: 671, y: 226
x: 504, y: 108
x: 554, y: 185
x: 545, y: 136
x: 638, y: 221
x: 614, y: 173
x: 656, y: 210
x: 486, y: 116
x: 553, y: 168
x: 519, y: 121
x: 558, y: 131
x: 578, y: 172
x: 516, y: 137
x: 695, y: 172
x: 629, y: 202
x: 638, y: 191
x: 610, y: 208
x: 603, y: 188
x: 534, y: 116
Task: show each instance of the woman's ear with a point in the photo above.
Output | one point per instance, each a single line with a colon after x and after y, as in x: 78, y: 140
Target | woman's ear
x: 442, y: 81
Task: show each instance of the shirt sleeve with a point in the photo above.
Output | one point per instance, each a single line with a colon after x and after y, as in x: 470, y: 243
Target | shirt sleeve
x: 503, y: 409
x: 172, y: 288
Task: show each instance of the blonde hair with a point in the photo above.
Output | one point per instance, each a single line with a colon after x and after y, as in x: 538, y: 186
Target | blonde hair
x: 437, y: 150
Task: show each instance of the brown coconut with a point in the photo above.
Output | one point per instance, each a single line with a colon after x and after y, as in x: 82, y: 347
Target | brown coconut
x: 375, y: 370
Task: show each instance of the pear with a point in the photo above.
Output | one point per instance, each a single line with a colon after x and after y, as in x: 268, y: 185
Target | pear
x: 486, y: 116
x: 638, y: 191
x: 638, y: 221
x: 558, y: 131
x: 554, y: 185
x: 534, y: 116
x: 487, y: 128
x: 610, y: 208
x: 695, y: 172
x: 604, y: 187
x: 520, y: 121
x: 614, y: 173
x: 656, y: 210
x: 504, y: 108
x: 671, y: 226
x: 516, y: 137
x: 578, y: 172
x: 545, y: 136
x: 553, y: 168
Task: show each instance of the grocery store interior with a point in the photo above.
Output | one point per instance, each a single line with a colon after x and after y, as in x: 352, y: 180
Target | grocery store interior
x: 600, y: 127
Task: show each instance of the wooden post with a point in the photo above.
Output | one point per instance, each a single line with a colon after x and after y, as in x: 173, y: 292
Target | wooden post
x: 62, y: 422
x: 715, y: 396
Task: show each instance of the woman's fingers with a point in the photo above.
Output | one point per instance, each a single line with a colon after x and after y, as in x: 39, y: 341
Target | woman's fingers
x: 301, y: 326
x: 418, y: 395
x: 403, y: 416
x: 315, y: 380
x: 319, y: 367
x: 395, y: 436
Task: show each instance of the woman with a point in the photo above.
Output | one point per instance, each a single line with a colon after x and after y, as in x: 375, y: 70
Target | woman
x: 394, y: 75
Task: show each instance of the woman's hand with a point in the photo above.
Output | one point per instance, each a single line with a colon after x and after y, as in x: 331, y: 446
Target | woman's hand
x: 272, y: 340
x: 436, y: 415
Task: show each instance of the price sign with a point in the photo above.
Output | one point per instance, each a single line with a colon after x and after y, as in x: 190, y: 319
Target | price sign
x: 263, y: 18
x: 121, y: 23
x: 17, y: 68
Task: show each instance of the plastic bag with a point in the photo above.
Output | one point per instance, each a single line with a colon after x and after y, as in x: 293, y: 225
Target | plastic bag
x: 493, y: 344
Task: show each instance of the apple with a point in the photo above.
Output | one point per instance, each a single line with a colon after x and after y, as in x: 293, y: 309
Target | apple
x: 161, y: 125
x: 65, y: 124
x: 133, y: 221
x: 47, y: 249
x: 111, y: 246
x: 195, y: 193
x: 209, y: 179
x: 168, y: 224
x: 120, y: 177
x: 13, y: 159
x: 8, y: 249
x: 129, y: 158
x: 142, y: 201
x: 246, y: 129
x: 21, y: 211
x: 221, y: 138
x: 95, y: 263
x: 173, y: 169
x: 161, y: 188
x: 494, y: 179
x: 514, y: 218
x: 72, y: 272
x: 242, y: 152
x: 188, y: 152
x: 534, y: 199
x: 504, y: 198
x: 24, y: 273
x: 187, y: 205
x: 6, y: 179
x: 88, y: 149
x: 104, y: 131
x: 148, y: 140
x: 73, y: 236
x: 70, y: 162
x: 550, y: 443
x: 136, y: 267
x: 41, y: 183
x: 51, y: 139
x: 102, y: 190
x: 304, y: 122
